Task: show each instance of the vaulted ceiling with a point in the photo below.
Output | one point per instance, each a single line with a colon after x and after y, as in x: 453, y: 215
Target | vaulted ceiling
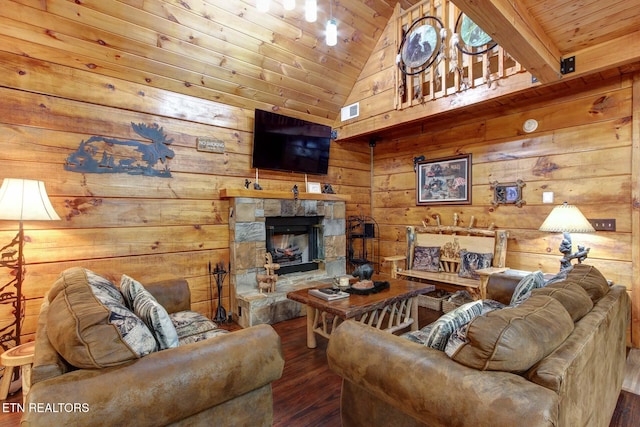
x: 227, y: 51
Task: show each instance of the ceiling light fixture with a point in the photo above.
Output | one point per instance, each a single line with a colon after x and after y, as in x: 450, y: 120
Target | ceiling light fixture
x: 310, y: 10
x: 289, y: 4
x: 332, y: 28
x: 262, y: 5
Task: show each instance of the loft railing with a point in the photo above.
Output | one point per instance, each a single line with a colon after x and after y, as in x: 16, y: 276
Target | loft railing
x: 455, y: 68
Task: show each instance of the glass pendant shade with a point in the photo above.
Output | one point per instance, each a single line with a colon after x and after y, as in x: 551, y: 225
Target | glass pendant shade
x: 262, y: 5
x: 332, y: 32
x: 289, y: 4
x: 310, y: 10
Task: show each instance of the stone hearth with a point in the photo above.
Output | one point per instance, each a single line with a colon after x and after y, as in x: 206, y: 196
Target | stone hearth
x: 247, y: 235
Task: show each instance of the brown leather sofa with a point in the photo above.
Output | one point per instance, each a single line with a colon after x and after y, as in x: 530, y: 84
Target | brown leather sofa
x: 389, y: 380
x: 224, y: 380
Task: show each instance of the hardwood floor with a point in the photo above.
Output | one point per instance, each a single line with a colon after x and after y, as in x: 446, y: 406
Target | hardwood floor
x: 308, y: 394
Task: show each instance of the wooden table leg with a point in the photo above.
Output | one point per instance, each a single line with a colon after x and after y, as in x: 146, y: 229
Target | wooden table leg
x: 414, y: 314
x: 311, y: 337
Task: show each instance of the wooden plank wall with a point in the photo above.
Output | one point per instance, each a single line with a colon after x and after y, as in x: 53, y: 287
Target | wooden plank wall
x: 582, y: 151
x: 147, y: 227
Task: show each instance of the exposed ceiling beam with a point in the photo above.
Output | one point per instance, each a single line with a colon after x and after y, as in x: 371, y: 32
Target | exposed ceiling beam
x: 518, y: 33
x: 613, y: 53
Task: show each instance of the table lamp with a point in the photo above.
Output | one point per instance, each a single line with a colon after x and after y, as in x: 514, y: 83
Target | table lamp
x: 20, y: 200
x: 567, y: 219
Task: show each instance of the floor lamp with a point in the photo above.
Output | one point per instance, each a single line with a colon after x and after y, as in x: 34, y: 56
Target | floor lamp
x: 567, y: 219
x: 20, y: 200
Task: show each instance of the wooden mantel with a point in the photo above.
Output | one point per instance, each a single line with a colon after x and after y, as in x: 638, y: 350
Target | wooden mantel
x: 229, y: 193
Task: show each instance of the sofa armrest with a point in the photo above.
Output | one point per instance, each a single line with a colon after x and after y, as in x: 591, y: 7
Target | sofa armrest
x: 427, y: 385
x: 162, y: 387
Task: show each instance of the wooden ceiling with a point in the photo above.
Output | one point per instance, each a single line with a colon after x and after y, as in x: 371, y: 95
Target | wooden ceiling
x: 227, y: 51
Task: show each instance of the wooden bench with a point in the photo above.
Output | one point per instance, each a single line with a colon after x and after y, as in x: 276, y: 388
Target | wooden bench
x: 452, y: 239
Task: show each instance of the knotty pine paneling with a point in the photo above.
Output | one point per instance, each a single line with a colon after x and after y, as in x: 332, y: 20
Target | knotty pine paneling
x: 149, y: 228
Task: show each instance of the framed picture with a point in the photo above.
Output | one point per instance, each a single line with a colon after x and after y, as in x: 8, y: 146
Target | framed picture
x: 313, y: 187
x: 508, y: 193
x: 444, y: 181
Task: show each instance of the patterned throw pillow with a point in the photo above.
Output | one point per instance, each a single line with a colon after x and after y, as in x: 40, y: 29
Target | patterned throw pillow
x: 103, y: 289
x: 420, y: 336
x: 459, y: 336
x: 150, y: 311
x: 525, y: 286
x: 426, y: 258
x: 472, y: 261
x: 133, y: 331
x: 559, y: 277
x: 447, y: 323
x: 456, y: 340
x: 89, y: 324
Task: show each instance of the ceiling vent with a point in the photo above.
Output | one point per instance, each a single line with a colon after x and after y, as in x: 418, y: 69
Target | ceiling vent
x: 350, y: 111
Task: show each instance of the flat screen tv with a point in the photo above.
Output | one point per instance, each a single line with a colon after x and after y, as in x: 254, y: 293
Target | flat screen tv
x: 288, y: 144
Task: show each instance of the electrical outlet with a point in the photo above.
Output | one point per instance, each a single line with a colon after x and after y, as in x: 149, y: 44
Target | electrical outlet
x: 604, y: 224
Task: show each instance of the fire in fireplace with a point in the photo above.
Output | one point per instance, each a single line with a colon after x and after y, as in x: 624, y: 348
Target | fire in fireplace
x: 295, y: 242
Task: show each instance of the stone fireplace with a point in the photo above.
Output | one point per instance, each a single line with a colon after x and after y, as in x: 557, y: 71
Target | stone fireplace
x: 306, y: 236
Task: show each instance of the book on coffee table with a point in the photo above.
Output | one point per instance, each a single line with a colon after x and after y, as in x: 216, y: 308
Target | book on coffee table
x: 328, y: 294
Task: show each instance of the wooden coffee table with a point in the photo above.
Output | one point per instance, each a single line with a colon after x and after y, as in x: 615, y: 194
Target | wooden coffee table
x: 390, y: 310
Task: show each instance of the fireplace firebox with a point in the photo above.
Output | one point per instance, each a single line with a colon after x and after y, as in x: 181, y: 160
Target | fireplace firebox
x: 296, y: 243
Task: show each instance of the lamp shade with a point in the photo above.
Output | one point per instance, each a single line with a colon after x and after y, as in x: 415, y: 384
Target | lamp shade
x: 567, y: 218
x: 25, y: 199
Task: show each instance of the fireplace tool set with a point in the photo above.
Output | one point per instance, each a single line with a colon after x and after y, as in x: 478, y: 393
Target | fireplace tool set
x: 219, y: 273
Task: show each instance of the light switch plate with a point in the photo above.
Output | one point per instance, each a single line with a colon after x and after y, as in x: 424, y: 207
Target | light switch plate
x: 608, y: 224
x: 547, y: 197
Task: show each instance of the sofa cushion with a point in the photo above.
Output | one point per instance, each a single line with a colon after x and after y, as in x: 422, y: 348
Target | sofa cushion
x: 426, y: 258
x: 190, y: 324
x: 590, y: 279
x: 459, y: 336
x: 203, y: 336
x: 573, y: 297
x: 515, y: 338
x: 145, y: 306
x: 89, y: 325
x: 472, y: 261
x: 525, y: 286
x: 449, y: 322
